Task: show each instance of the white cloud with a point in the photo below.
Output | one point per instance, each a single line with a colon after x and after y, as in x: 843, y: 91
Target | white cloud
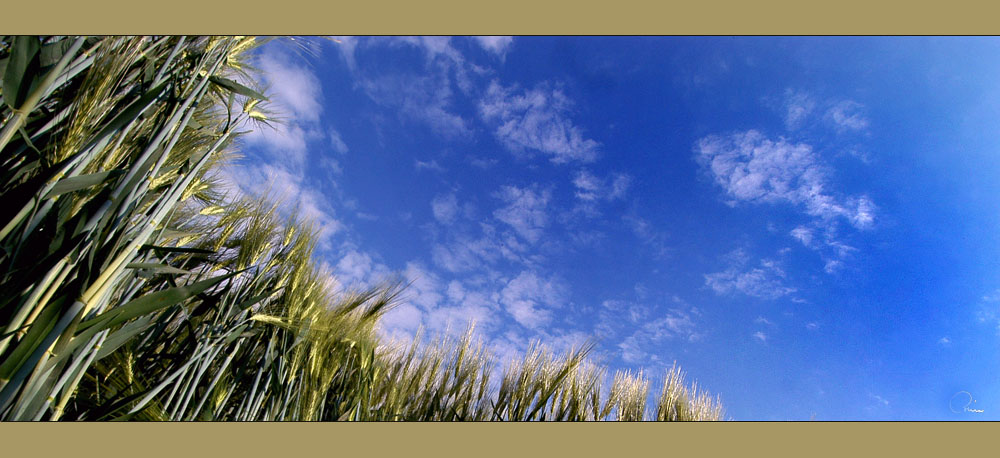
x: 765, y: 281
x: 529, y: 299
x: 445, y: 208
x: 879, y: 400
x: 495, y: 44
x: 803, y: 234
x: 674, y: 324
x: 464, y: 253
x: 832, y: 266
x: 652, y: 237
x: 426, y: 98
x: 843, y: 115
x: 864, y: 213
x: 401, y: 322
x: 525, y: 210
x: 450, y: 309
x: 591, y: 188
x: 482, y: 163
x: 988, y: 309
x: 354, y: 268
x: 587, y: 185
x: 457, y: 319
x: 283, y: 140
x: 357, y: 269
x: 536, y: 120
x: 294, y: 90
x: 424, y: 288
x: 632, y: 351
x: 424, y: 95
x: 752, y: 168
x: 644, y: 328
x: 762, y: 320
x: 347, y: 46
x: 755, y: 282
x: 812, y: 326
x: 944, y: 341
x: 431, y: 165
x: 619, y: 185
x: 824, y: 241
x: 798, y: 106
x: 433, y: 46
x: 848, y: 115
x: 337, y: 143
x: 760, y: 336
x: 467, y: 306
x: 456, y: 257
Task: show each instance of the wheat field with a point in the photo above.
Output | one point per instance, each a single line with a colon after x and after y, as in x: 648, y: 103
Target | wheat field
x: 137, y: 286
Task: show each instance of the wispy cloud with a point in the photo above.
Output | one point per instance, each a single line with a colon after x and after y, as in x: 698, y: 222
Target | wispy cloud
x: 440, y: 308
x: 462, y: 255
x: 466, y: 252
x: 944, y: 341
x: 536, y: 120
x: 495, y: 44
x: 433, y: 46
x: 879, y: 400
x: 525, y: 210
x: 832, y: 266
x: 337, y: 143
x: 988, y: 309
x: 292, y: 86
x: 424, y: 96
x: 753, y: 168
x: 762, y: 320
x: 464, y: 306
x: 354, y: 267
x: 357, y: 269
x: 591, y: 188
x: 674, y: 324
x: 445, y: 208
x: 765, y: 281
x: 647, y: 233
x: 798, y: 106
x: 401, y: 322
x: 843, y: 116
x: 824, y: 241
x: 530, y: 298
x: 760, y: 336
x: 425, y: 286
x: 427, y: 99
x: 431, y: 165
x: 640, y: 328
x: 803, y: 234
x: 346, y: 47
x: 482, y: 162
x: 848, y: 116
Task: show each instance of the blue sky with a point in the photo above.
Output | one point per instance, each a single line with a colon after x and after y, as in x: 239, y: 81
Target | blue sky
x: 806, y: 225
